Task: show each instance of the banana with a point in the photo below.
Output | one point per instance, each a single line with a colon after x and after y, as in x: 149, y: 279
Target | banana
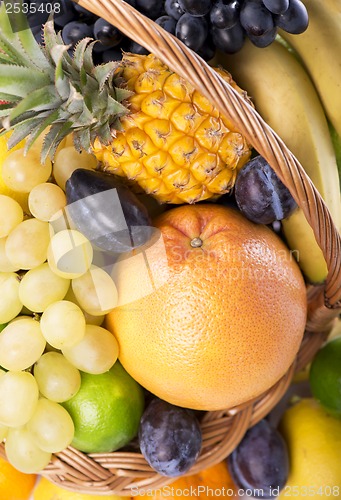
x: 285, y: 97
x: 319, y: 47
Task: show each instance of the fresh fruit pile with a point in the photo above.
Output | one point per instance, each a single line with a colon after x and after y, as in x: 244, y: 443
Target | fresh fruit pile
x: 118, y: 328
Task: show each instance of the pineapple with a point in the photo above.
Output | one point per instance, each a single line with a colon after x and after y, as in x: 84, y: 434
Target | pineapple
x: 141, y: 120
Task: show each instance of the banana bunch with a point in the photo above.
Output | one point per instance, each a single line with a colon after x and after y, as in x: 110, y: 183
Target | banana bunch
x: 320, y: 50
x: 296, y: 105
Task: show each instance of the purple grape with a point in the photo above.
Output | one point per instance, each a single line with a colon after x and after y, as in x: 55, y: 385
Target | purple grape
x: 65, y: 12
x: 295, y: 19
x: 228, y: 40
x: 260, y: 194
x: 136, y: 48
x: 170, y: 438
x: 255, y: 18
x: 112, y: 54
x: 39, y: 17
x: 106, y: 33
x: 168, y: 23
x: 208, y: 49
x: 196, y: 8
x: 150, y: 8
x: 260, y: 463
x: 173, y: 9
x: 192, y: 31
x: 84, y: 14
x: 276, y: 6
x: 38, y: 34
x: 74, y: 31
x: 224, y: 15
x: 265, y: 39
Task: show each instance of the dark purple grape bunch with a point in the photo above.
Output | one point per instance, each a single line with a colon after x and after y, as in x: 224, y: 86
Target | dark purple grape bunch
x: 75, y: 23
x: 111, y: 40
x: 261, y: 19
x: 202, y: 25
x: 207, y: 25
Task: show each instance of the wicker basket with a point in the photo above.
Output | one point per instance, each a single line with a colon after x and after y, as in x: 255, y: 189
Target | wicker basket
x: 120, y: 472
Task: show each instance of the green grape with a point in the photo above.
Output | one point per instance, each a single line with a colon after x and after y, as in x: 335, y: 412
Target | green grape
x: 68, y: 160
x: 63, y: 324
x: 89, y: 318
x: 23, y: 452
x: 45, y: 200
x: 6, y: 265
x: 93, y: 320
x: 41, y: 287
x: 18, y: 398
x: 95, y: 353
x: 69, y: 254
x: 57, y: 379
x: 11, y: 214
x: 3, y: 428
x: 51, y: 426
x: 26, y: 246
x: 95, y: 291
x: 21, y: 344
x: 10, y: 304
x: 23, y: 172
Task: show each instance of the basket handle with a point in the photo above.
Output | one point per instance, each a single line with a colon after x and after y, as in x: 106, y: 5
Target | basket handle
x: 194, y: 69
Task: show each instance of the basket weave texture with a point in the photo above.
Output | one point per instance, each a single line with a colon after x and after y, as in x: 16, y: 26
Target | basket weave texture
x: 123, y: 472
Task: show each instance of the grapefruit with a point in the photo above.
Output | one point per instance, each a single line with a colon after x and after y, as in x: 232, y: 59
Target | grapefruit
x: 224, y: 316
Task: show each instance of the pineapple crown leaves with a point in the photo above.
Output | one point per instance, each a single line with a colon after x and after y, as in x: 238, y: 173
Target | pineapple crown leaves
x: 47, y: 87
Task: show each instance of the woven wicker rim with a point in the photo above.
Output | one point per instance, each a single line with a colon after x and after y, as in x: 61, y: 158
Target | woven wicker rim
x: 120, y: 472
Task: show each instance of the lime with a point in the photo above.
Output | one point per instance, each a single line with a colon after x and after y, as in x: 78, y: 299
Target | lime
x: 106, y: 410
x: 325, y: 376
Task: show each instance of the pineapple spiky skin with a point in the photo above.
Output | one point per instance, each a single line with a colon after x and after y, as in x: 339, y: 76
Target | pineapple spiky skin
x: 174, y: 144
x: 141, y: 120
